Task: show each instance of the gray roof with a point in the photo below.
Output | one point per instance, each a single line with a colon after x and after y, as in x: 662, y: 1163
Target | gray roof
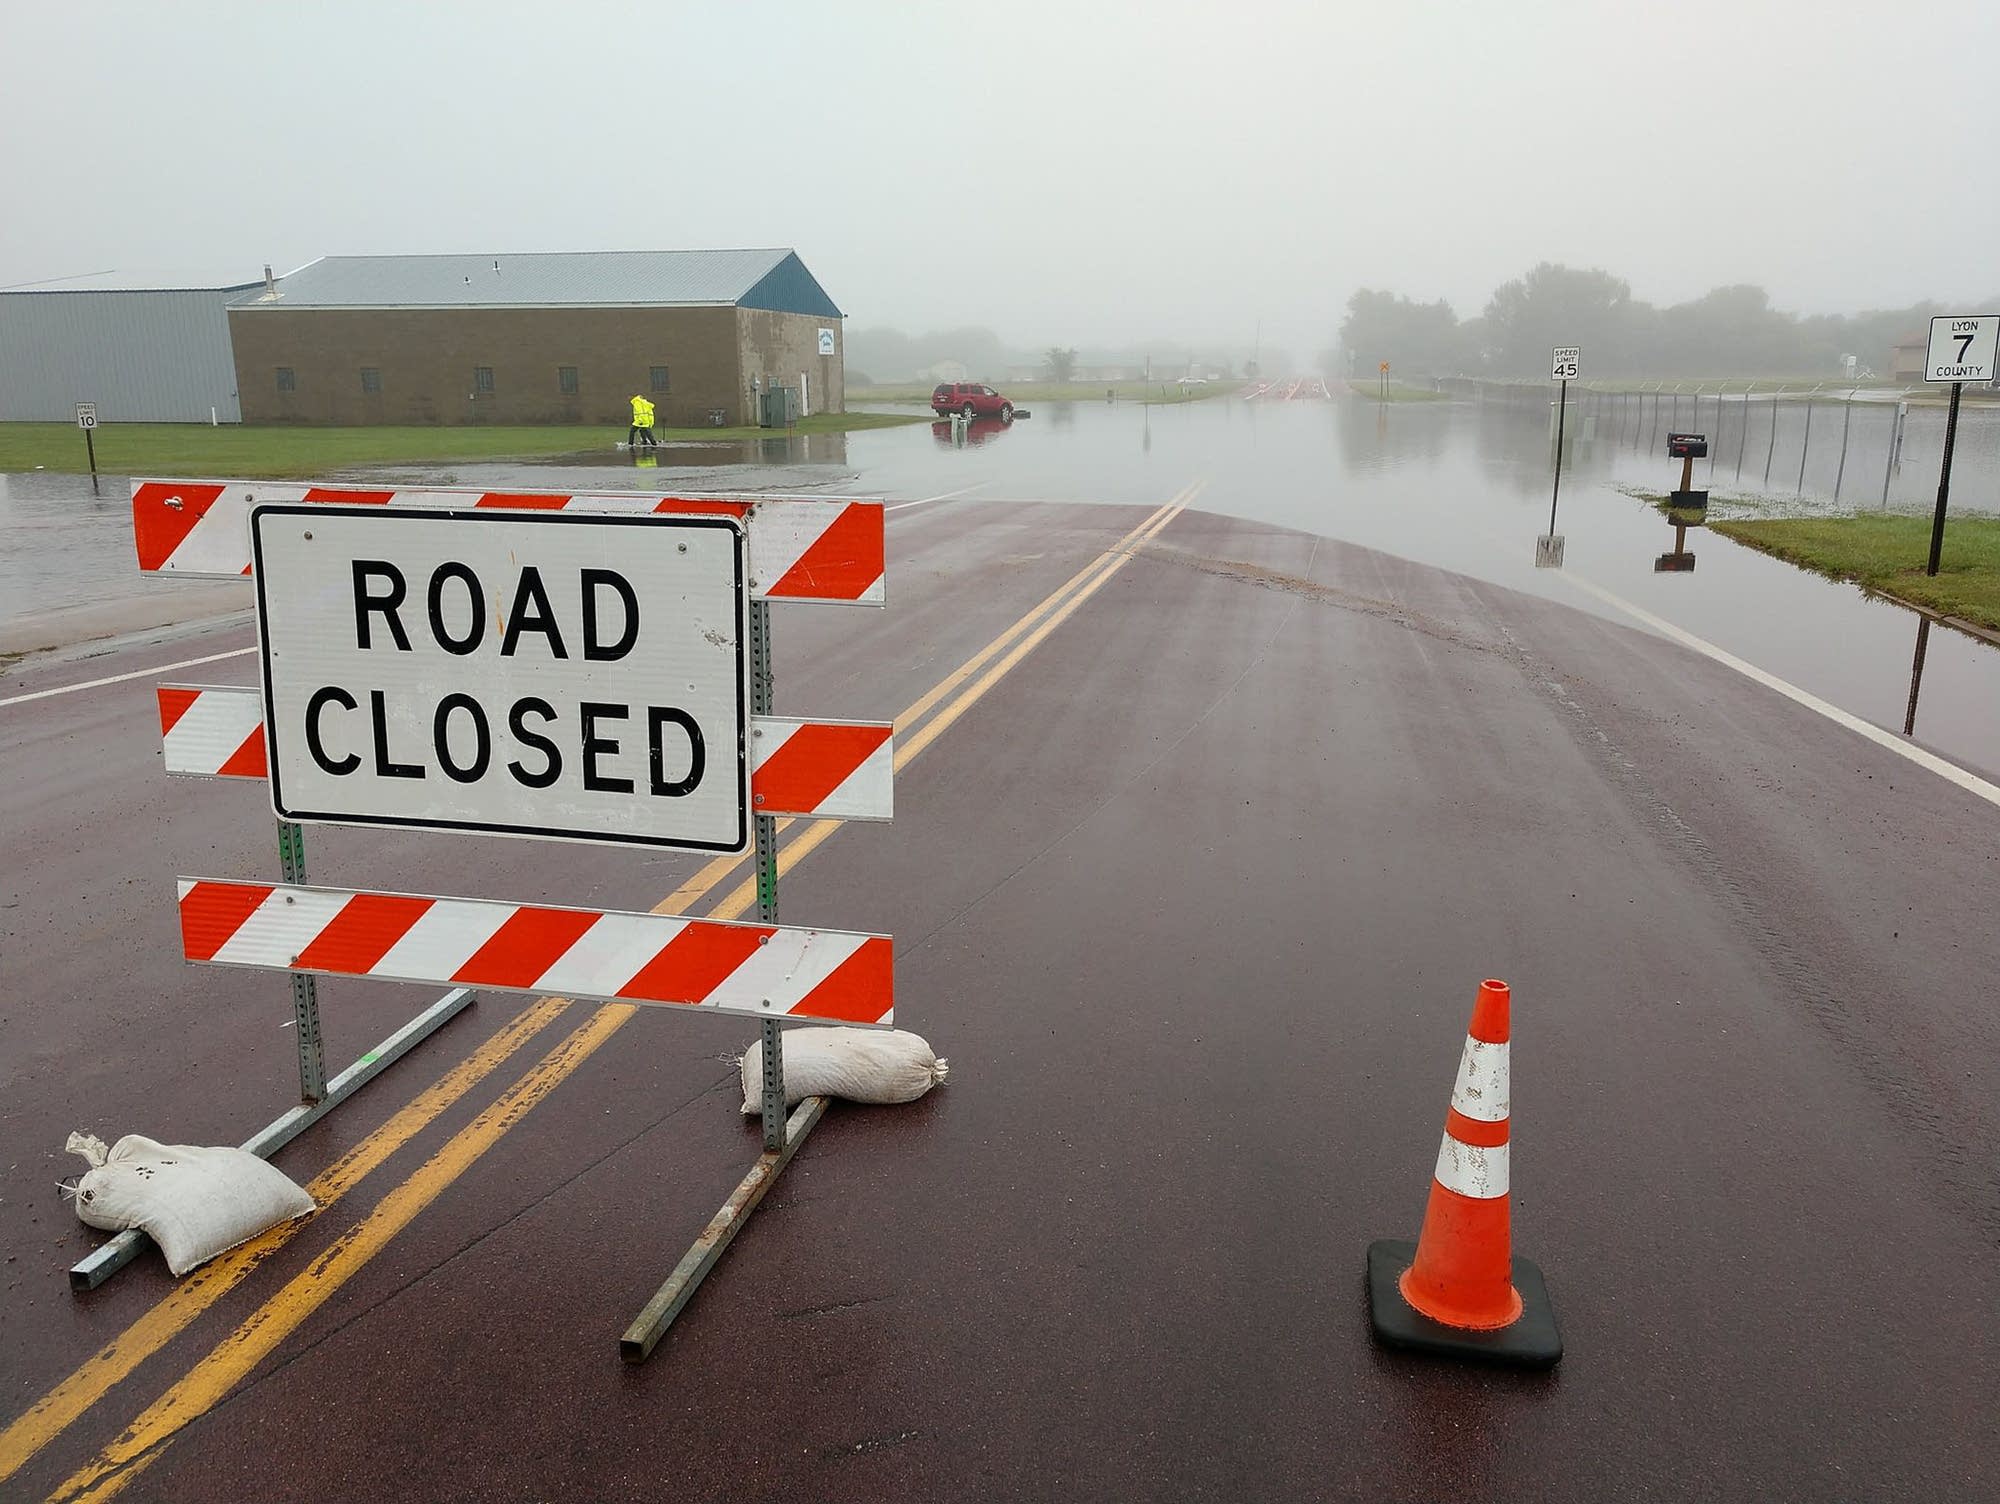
x: 154, y: 281
x: 553, y: 279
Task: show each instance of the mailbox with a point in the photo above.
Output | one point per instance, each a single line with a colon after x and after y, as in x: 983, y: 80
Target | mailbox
x: 1687, y: 446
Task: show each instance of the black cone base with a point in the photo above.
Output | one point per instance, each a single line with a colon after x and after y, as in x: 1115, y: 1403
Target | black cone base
x: 1531, y: 1342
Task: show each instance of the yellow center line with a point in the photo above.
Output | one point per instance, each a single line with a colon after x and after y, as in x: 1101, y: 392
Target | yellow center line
x: 57, y: 1409
x: 211, y: 1379
x: 230, y: 1361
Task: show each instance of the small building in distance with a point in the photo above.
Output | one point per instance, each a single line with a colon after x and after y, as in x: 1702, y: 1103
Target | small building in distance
x: 1906, y: 358
x: 145, y: 347
x: 559, y: 337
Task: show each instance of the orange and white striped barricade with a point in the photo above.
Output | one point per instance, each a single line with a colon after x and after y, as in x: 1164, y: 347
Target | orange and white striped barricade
x: 372, y: 630
x: 1458, y: 1290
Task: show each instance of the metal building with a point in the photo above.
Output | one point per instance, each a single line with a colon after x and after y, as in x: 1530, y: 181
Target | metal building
x: 562, y: 337
x: 145, y: 349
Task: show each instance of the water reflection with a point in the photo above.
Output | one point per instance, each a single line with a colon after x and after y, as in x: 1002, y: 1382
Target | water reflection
x: 1376, y: 436
x: 946, y: 433
x: 1680, y: 561
x: 1917, y: 674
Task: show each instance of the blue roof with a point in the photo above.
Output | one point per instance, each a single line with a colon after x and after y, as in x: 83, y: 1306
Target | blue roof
x: 773, y: 279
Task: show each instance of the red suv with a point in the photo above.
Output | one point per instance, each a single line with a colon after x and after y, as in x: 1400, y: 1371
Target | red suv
x: 972, y: 399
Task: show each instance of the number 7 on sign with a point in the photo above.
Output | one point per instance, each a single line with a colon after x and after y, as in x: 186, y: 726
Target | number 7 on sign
x: 1965, y: 344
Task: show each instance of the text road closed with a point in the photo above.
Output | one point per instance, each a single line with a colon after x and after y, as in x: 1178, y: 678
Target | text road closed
x: 547, y: 674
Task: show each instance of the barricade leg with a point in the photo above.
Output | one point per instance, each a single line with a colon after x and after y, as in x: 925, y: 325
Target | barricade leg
x: 651, y: 1324
x: 317, y: 1095
x: 118, y: 1251
x: 782, y: 1136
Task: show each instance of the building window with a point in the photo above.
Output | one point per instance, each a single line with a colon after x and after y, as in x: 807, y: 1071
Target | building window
x: 371, y: 380
x: 287, y: 382
x: 482, y: 378
x: 660, y: 379
x: 566, y: 379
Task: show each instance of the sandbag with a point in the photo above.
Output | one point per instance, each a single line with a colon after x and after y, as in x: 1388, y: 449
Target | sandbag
x: 193, y: 1202
x: 858, y: 1065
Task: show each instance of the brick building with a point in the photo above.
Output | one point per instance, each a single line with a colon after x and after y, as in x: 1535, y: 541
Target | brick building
x: 564, y: 337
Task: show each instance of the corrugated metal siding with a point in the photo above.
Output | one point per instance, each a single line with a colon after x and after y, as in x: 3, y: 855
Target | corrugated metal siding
x: 142, y: 357
x: 553, y: 279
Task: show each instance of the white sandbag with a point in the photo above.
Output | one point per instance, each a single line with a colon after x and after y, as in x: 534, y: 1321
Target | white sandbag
x: 193, y: 1202
x: 859, y: 1065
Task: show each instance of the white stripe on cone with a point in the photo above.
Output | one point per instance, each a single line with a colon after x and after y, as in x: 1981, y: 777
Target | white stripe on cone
x: 1483, y: 1085
x: 1471, y: 1170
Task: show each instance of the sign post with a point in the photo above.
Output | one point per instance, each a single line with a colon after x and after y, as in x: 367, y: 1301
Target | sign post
x: 1563, y: 367
x: 1382, y: 376
x: 86, y: 419
x: 1961, y: 349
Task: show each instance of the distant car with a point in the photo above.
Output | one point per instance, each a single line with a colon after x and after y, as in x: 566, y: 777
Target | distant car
x: 971, y: 399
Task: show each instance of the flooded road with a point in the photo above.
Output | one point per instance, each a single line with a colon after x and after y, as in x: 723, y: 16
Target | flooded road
x: 1462, y: 485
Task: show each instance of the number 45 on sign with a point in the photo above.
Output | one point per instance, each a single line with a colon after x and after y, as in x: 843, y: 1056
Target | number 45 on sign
x: 1563, y: 365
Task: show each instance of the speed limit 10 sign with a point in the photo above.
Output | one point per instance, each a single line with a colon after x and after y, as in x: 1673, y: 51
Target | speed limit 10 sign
x: 1564, y: 362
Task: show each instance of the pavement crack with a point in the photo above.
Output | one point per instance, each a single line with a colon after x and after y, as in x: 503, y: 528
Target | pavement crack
x: 1264, y: 578
x: 832, y: 1306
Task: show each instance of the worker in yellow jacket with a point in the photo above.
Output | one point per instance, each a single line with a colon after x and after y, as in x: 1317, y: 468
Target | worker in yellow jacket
x: 642, y: 425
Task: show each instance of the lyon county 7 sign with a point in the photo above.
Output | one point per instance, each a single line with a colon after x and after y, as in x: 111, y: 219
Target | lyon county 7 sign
x: 1961, y: 347
x: 562, y: 675
x: 1563, y: 362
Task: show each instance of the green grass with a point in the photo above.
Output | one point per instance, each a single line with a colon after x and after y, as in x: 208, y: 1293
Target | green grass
x: 279, y: 453
x: 1886, y: 552
x: 1397, y: 392
x: 1022, y: 393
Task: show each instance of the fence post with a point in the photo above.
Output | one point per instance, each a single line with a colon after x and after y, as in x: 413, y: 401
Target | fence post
x: 1743, y: 437
x: 1846, y: 419
x: 1805, y: 448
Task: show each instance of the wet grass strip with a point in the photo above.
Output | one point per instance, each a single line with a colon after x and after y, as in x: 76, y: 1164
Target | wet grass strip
x: 1886, y: 553
x: 281, y: 453
x: 1396, y: 392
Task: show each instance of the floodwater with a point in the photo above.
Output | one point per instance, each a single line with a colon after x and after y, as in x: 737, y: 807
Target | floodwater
x: 1463, y: 485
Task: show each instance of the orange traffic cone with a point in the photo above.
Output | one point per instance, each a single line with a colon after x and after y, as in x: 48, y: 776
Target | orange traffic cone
x: 1458, y: 1289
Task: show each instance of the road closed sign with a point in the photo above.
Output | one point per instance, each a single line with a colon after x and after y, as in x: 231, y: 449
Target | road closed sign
x: 550, y: 674
x: 1961, y: 347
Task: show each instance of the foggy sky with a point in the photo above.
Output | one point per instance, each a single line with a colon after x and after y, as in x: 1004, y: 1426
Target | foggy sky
x: 1074, y: 173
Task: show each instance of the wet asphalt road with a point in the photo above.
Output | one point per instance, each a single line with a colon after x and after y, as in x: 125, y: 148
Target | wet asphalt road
x: 1196, y: 900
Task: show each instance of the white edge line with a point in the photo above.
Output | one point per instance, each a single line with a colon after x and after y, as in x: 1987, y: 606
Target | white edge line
x: 923, y: 501
x: 137, y: 673
x: 1951, y: 772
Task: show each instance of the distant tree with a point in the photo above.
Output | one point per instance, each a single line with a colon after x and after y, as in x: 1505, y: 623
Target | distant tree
x: 1559, y: 305
x: 1730, y: 332
x: 857, y: 378
x: 1415, y: 338
x: 1060, y: 363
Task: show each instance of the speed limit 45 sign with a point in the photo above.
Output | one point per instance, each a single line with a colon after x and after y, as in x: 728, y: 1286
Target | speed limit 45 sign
x: 1563, y: 362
